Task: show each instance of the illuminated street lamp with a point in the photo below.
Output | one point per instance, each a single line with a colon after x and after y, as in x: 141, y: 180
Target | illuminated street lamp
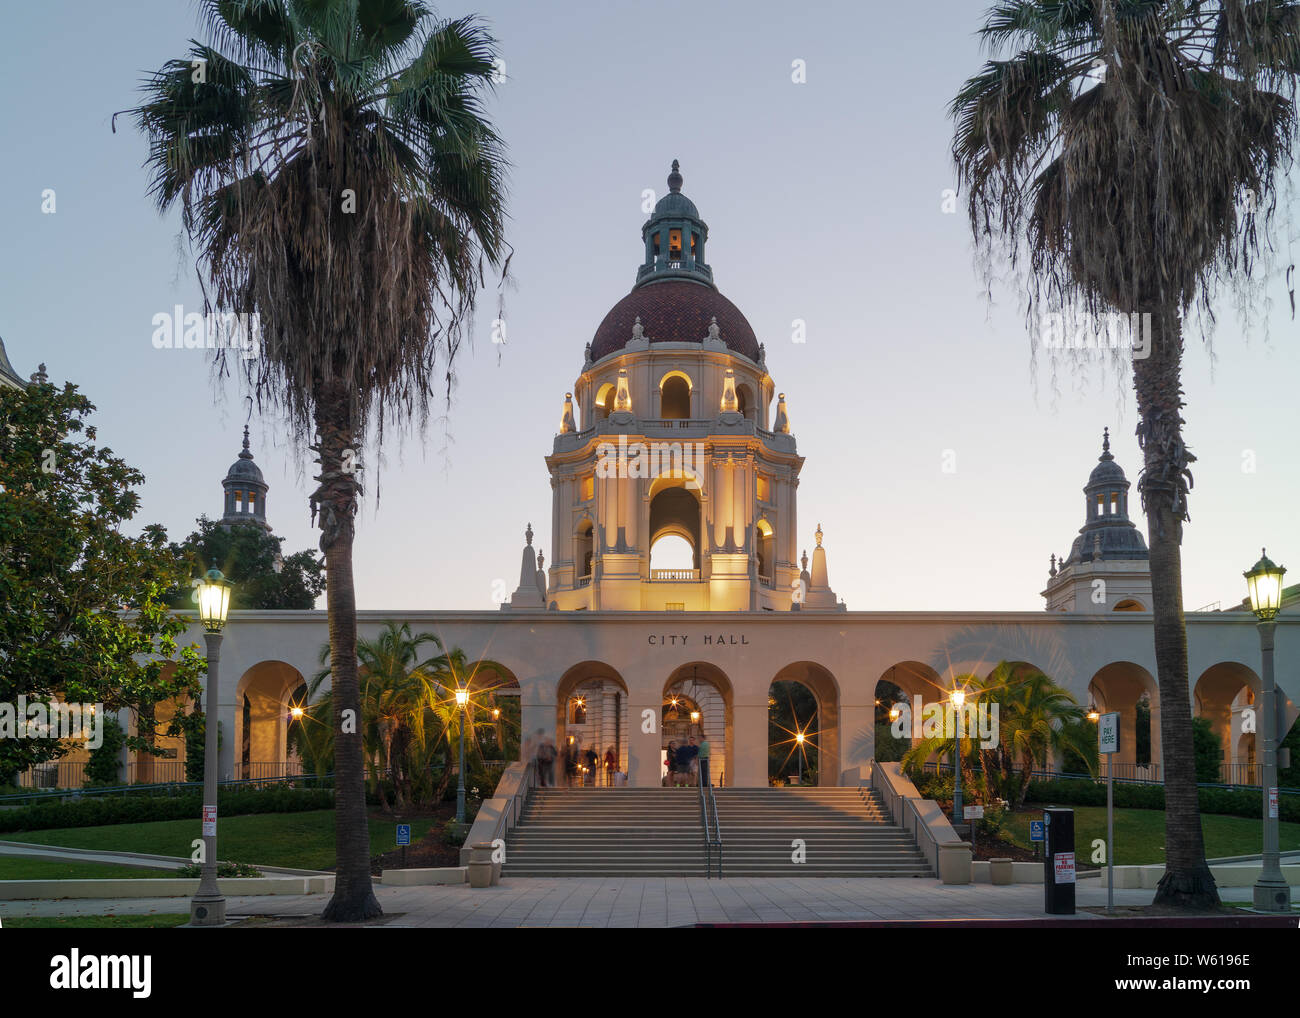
x: 208, y: 906
x: 1094, y: 714
x: 1264, y: 581
x: 462, y: 701
x: 799, y: 739
x: 958, y: 697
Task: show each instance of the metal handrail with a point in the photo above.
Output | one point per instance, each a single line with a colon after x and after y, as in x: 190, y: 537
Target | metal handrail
x: 717, y: 827
x: 708, y: 838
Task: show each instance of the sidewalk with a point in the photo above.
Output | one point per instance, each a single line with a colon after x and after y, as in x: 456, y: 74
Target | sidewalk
x: 164, y: 862
x: 653, y: 902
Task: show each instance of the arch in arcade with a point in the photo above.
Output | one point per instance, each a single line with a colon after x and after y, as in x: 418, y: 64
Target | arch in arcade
x: 904, y: 681
x: 591, y: 708
x: 1224, y: 693
x: 1119, y: 686
x: 704, y: 688
x: 498, y: 722
x: 822, y: 730
x: 264, y: 698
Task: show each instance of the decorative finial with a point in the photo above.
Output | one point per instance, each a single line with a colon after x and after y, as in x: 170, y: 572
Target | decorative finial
x: 541, y: 560
x: 1096, y: 546
x: 803, y: 561
x: 819, y: 535
x: 40, y: 377
x: 245, y: 454
x: 714, y: 331
x: 638, y: 331
x: 1052, y: 570
x: 675, y: 178
x: 1105, y: 444
x: 528, y: 535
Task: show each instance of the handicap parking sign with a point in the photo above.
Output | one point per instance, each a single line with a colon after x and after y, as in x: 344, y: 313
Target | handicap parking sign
x: 1036, y: 831
x: 403, y: 834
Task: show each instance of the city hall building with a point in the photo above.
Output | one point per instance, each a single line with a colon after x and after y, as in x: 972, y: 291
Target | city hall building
x: 676, y: 429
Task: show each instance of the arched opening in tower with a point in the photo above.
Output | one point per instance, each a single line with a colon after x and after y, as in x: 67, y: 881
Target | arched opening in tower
x: 674, y: 512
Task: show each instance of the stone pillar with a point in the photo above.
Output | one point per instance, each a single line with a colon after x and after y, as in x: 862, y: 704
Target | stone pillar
x: 857, y: 743
x: 229, y: 741
x: 643, y: 748
x: 747, y: 767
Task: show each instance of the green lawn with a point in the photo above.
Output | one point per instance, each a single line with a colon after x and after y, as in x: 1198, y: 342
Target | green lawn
x: 1140, y: 834
x: 15, y: 867
x: 294, y: 840
x: 97, y: 922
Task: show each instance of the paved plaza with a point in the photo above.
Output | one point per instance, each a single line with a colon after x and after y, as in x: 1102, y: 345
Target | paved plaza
x: 653, y: 902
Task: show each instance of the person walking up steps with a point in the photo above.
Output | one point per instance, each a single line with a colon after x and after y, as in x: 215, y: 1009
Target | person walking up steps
x: 703, y: 759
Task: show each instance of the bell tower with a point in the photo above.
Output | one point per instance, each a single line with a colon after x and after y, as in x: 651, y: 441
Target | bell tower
x: 669, y: 437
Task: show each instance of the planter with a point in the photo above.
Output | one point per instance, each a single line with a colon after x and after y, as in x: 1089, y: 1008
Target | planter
x: 1000, y: 871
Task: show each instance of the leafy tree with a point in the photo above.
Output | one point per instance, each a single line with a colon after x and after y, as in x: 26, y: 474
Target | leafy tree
x: 104, y: 767
x: 83, y: 617
x: 792, y: 708
x: 335, y: 167
x: 1209, y: 751
x: 251, y: 558
x: 1111, y: 150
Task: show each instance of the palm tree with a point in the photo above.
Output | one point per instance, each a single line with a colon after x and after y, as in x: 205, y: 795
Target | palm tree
x: 1110, y: 149
x: 1037, y: 717
x: 335, y: 168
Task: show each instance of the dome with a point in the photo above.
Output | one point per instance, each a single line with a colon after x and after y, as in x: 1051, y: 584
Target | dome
x: 244, y: 469
x: 675, y: 205
x: 1107, y: 472
x: 674, y: 311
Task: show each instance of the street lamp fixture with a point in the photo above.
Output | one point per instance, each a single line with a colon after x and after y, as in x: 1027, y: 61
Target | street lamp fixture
x: 958, y: 699
x: 462, y: 701
x: 208, y: 906
x: 1272, y: 893
x: 1093, y: 713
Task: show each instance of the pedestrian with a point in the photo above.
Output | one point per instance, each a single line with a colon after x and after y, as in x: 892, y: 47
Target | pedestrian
x: 545, y: 760
x: 611, y: 765
x: 570, y: 762
x: 692, y: 762
x: 592, y: 758
x: 683, y: 769
x: 670, y: 778
x: 703, y: 758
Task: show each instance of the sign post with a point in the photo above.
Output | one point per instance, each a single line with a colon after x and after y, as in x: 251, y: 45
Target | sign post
x: 1037, y: 834
x: 1108, y: 744
x: 403, y: 839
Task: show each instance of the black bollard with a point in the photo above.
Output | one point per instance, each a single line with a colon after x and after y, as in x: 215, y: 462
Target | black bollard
x: 1058, y: 861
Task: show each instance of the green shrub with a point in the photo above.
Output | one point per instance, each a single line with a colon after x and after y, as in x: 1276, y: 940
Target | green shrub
x: 224, y: 869
x: 1240, y: 802
x: 131, y: 809
x: 454, y: 833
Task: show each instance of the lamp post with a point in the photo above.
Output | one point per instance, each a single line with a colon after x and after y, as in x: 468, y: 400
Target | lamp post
x: 1264, y: 580
x: 799, y: 739
x: 958, y: 698
x: 208, y: 907
x: 462, y: 701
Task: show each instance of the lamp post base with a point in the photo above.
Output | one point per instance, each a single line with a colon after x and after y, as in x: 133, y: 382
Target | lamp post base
x: 208, y: 911
x: 1272, y: 895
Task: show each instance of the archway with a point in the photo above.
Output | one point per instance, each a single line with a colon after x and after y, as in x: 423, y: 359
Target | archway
x: 675, y: 396
x: 604, y: 402
x: 765, y: 551
x: 1132, y: 691
x: 591, y: 712
x: 745, y: 401
x: 803, y: 700
x: 1225, y: 694
x: 264, y: 696
x: 704, y: 689
x: 895, y: 695
x: 675, y: 510
x: 584, y: 548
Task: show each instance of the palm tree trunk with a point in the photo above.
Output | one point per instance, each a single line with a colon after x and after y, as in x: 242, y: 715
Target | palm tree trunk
x: 354, y: 898
x: 1187, y: 882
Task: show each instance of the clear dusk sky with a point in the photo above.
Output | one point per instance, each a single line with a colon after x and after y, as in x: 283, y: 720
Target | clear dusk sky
x: 824, y: 203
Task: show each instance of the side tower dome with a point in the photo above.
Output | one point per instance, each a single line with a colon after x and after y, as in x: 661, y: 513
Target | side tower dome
x: 1107, y: 568
x: 245, y: 491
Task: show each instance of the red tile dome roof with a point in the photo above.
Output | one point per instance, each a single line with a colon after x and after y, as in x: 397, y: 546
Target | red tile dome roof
x: 674, y: 311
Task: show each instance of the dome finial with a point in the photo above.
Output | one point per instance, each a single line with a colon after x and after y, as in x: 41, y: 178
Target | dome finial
x: 1105, y: 439
x: 675, y: 178
x: 245, y: 453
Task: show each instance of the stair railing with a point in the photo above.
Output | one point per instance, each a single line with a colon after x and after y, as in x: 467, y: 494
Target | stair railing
x: 712, y: 829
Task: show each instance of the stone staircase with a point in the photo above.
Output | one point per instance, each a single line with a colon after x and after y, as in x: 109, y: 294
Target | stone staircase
x: 846, y: 832
x: 657, y: 832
